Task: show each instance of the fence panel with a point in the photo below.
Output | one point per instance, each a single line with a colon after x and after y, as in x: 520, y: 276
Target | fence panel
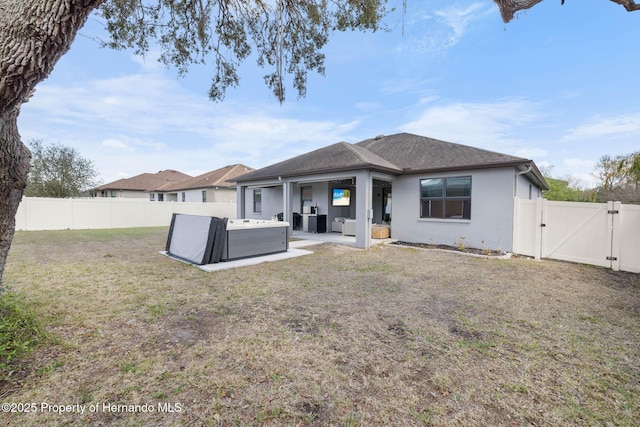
x: 526, y: 230
x: 604, y: 234
x: 85, y: 213
x: 629, y: 252
x: 35, y: 213
x: 49, y: 214
x: 578, y: 232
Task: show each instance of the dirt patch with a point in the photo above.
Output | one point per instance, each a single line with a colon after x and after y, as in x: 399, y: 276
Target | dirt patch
x: 388, y: 336
x: 304, y: 323
x: 460, y: 248
x: 399, y: 329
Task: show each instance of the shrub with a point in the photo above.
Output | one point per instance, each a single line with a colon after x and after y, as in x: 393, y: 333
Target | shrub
x: 20, y: 332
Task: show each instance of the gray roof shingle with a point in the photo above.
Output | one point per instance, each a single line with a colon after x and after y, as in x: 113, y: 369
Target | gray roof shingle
x: 337, y: 157
x: 415, y: 153
x: 402, y: 153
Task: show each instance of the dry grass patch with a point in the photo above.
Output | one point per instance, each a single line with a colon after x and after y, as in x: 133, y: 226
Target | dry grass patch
x: 389, y: 336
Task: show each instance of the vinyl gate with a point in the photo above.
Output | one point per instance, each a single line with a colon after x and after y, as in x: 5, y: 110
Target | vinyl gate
x: 604, y: 234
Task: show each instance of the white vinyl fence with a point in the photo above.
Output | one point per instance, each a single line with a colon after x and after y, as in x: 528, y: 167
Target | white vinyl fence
x: 36, y: 213
x: 604, y: 234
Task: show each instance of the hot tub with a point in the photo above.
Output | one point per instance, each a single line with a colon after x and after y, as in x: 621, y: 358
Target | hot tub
x: 254, y: 237
x: 206, y: 240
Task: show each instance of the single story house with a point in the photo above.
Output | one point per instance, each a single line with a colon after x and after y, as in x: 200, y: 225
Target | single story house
x: 213, y: 186
x: 443, y: 193
x: 143, y: 186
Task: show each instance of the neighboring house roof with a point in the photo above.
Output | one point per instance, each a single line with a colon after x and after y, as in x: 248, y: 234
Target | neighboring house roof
x: 216, y: 178
x: 146, y: 181
x: 402, y: 153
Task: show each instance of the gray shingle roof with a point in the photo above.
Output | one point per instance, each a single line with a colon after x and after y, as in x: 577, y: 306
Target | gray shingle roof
x: 414, y: 153
x: 402, y: 153
x: 337, y: 157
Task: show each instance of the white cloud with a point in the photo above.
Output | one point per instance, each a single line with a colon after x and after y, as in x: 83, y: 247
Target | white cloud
x: 260, y: 137
x: 367, y: 106
x: 114, y: 143
x: 125, y: 143
x: 146, y: 122
x: 398, y: 86
x: 581, y: 170
x: 428, y: 99
x: 149, y: 62
x: 490, y: 125
x: 434, y: 28
x: 458, y: 18
x: 606, y: 127
x: 140, y: 103
x: 532, y: 152
x: 545, y: 166
x: 579, y: 163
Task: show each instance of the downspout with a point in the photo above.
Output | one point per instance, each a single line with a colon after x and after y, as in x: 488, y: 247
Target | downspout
x: 515, y: 181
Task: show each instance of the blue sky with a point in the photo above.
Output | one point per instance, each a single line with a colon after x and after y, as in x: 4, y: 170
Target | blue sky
x: 558, y: 84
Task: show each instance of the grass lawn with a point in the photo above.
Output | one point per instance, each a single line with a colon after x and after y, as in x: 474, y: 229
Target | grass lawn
x: 344, y: 337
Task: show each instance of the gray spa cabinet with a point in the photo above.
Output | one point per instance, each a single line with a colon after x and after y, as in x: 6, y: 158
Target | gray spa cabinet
x: 250, y: 238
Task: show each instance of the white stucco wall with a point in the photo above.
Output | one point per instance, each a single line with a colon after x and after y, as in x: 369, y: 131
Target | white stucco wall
x: 125, y: 194
x: 271, y: 203
x: 221, y: 195
x: 491, y: 221
x: 193, y: 196
x: 320, y: 197
x: 526, y: 190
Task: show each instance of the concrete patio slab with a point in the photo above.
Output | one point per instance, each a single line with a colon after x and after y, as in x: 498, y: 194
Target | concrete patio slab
x: 226, y: 265
x: 293, y: 252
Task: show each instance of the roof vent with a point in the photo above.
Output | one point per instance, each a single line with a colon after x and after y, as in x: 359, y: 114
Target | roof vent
x: 379, y: 136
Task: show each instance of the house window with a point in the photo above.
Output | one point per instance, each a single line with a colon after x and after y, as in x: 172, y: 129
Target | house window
x: 152, y: 197
x: 184, y: 196
x: 204, y: 196
x: 113, y: 194
x: 161, y: 197
x: 257, y: 201
x: 448, y: 198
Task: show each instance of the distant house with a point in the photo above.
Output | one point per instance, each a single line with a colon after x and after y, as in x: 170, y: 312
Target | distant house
x: 443, y: 192
x: 144, y: 186
x: 209, y: 187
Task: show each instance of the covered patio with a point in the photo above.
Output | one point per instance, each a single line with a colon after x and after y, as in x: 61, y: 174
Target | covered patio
x: 298, y: 235
x: 339, y: 182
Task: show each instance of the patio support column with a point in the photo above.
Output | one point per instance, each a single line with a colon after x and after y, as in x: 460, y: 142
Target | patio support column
x: 240, y: 197
x: 286, y: 204
x: 364, y: 210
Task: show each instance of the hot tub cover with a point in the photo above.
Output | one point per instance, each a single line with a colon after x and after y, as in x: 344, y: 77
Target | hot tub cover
x: 196, y: 239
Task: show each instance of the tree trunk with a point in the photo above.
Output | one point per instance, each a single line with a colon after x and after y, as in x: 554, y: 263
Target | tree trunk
x: 34, y: 34
x: 14, y: 167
